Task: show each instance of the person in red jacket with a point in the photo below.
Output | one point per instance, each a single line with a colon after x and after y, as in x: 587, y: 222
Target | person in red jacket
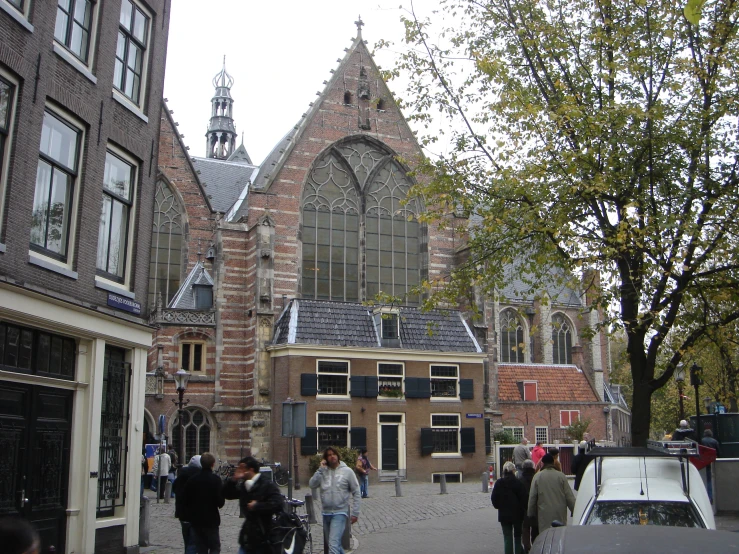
x: 537, y: 452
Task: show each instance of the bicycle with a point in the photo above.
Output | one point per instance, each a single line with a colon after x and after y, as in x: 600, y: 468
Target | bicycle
x: 292, y: 505
x: 224, y: 470
x: 279, y: 473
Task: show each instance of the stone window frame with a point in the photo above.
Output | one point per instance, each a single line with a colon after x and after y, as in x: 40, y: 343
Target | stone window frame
x: 192, y: 345
x: 446, y: 426
x: 563, y: 338
x: 169, y: 213
x: 507, y: 354
x: 208, y: 421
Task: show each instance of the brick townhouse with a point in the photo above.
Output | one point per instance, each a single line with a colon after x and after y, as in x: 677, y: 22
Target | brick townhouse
x: 80, y: 99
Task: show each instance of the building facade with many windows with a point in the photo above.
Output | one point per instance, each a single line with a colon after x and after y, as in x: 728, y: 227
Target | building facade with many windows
x: 80, y: 90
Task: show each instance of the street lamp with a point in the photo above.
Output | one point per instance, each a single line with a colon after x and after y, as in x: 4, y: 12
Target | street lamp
x: 680, y: 380
x: 696, y: 380
x: 180, y: 380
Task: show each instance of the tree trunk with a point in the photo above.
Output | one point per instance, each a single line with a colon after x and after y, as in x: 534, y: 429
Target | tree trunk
x: 641, y: 413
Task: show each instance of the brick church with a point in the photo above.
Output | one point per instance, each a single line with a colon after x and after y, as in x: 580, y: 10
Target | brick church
x: 295, y: 278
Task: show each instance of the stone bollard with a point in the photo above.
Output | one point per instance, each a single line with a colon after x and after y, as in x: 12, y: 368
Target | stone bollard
x: 167, y: 492
x: 485, y: 477
x: 398, y: 492
x: 310, y: 509
x: 144, y: 514
x: 442, y: 483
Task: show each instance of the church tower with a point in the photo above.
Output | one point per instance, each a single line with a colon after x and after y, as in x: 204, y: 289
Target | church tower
x: 221, y: 135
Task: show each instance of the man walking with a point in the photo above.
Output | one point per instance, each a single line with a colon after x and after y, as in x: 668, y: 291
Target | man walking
x: 337, y: 483
x: 521, y: 453
x: 258, y: 499
x: 203, y: 498
x: 684, y: 432
x: 180, y: 508
x: 363, y: 468
x: 710, y: 442
x: 162, y: 466
x: 550, y: 496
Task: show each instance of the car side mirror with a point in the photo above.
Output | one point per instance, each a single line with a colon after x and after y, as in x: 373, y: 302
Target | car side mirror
x: 557, y: 523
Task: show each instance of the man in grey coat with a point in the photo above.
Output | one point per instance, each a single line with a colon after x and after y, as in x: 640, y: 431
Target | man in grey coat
x: 337, y: 483
x: 520, y: 454
x: 550, y: 496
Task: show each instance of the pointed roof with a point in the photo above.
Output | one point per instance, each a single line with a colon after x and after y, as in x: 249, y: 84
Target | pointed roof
x: 225, y: 182
x: 555, y: 383
x: 223, y: 79
x: 185, y: 297
x: 240, y: 155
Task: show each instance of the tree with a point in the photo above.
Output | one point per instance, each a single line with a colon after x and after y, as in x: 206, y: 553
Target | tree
x: 589, y: 135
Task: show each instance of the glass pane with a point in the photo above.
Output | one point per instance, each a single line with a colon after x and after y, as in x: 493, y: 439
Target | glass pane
x: 118, y: 74
x: 197, y: 361
x: 55, y: 360
x: 104, y: 234
x: 443, y: 371
x: 332, y: 436
x: 11, y: 346
x: 185, y: 362
x: 204, y: 439
x: 333, y: 384
x: 60, y: 28
x: 78, y: 42
x: 333, y: 367
x: 82, y: 11
x: 126, y: 12
x: 139, y: 26
x: 59, y: 141
x: 333, y: 419
x: 134, y: 58
x: 5, y: 93
x: 40, y: 204
x: 56, y: 236
x: 445, y: 420
x: 197, y: 417
x: 118, y: 233
x: 128, y: 85
x: 43, y: 351
x: 69, y: 348
x: 25, y: 348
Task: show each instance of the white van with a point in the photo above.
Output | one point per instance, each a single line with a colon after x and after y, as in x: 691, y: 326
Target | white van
x: 656, y: 485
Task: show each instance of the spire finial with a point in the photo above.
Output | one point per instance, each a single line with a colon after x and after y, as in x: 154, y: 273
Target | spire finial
x: 359, y: 23
x: 242, y: 138
x: 223, y: 79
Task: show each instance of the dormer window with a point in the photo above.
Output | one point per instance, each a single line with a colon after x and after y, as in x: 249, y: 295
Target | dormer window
x: 388, y: 327
x: 203, y: 296
x: 529, y: 391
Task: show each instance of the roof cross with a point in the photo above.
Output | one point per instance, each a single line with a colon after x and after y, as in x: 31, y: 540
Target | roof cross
x: 359, y: 23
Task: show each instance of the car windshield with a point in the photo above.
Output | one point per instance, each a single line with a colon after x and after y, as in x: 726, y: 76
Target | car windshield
x: 676, y: 514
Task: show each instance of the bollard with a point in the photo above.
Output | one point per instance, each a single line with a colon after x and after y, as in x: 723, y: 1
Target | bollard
x: 144, y: 513
x: 398, y: 492
x: 310, y: 509
x: 346, y: 539
x: 167, y: 492
x: 442, y: 483
x: 485, y: 487
x: 491, y: 473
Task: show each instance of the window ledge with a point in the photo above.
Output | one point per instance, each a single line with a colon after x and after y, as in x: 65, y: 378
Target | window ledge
x: 333, y: 397
x: 448, y: 456
x: 130, y: 106
x: 2, y: 248
x: 46, y: 263
x: 74, y: 62
x: 113, y: 287
x: 390, y: 399
x: 445, y: 399
x: 12, y: 12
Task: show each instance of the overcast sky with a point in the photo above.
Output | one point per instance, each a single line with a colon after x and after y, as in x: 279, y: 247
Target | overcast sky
x: 279, y: 53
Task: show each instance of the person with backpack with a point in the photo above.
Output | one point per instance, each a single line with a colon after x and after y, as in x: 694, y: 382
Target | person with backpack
x: 259, y: 500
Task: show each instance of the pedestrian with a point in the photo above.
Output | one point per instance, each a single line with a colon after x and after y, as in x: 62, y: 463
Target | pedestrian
x: 530, y: 528
x: 203, y: 498
x: 579, y: 463
x: 521, y: 453
x: 162, y: 465
x: 174, y: 457
x: 509, y: 498
x: 684, y: 432
x: 180, y: 507
x: 710, y: 442
x: 550, y: 496
x: 537, y: 452
x: 337, y: 483
x: 554, y: 453
x: 590, y: 439
x: 18, y: 536
x: 364, y: 466
x: 259, y: 498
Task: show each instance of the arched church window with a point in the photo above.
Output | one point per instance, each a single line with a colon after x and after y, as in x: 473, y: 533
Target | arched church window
x: 561, y: 340
x: 197, y: 428
x: 166, y: 245
x: 354, y: 210
x: 511, y: 338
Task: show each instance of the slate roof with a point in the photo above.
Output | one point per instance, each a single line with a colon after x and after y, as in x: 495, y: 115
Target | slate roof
x: 185, y: 297
x: 555, y: 383
x: 352, y: 325
x: 224, y: 181
x: 240, y: 155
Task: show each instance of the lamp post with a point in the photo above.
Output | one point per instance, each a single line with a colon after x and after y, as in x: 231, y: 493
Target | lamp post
x: 180, y: 380
x: 680, y: 380
x: 696, y: 380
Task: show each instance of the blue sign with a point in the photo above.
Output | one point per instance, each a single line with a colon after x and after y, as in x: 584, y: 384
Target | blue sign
x: 474, y: 416
x: 123, y: 303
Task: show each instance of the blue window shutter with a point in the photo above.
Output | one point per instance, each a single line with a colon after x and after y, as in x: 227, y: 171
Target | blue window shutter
x: 308, y: 384
x: 309, y: 443
x: 358, y: 385
x: 466, y: 389
x: 427, y: 441
x: 488, y: 438
x: 417, y: 387
x: 467, y: 435
x: 359, y: 437
x: 371, y: 387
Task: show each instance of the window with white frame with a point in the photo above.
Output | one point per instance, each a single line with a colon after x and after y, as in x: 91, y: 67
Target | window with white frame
x: 192, y: 356
x: 444, y: 381
x: 333, y: 429
x: 56, y: 179
x: 390, y: 380
x: 517, y: 432
x: 389, y: 326
x: 333, y: 378
x: 511, y: 338
x: 561, y: 340
x: 73, y: 28
x: 542, y: 434
x: 568, y: 417
x: 119, y: 183
x: 445, y: 433
x: 7, y: 111
x: 131, y: 51
x: 21, y: 5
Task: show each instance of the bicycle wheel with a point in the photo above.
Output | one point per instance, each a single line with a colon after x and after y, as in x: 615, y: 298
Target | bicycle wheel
x: 308, y: 544
x: 281, y: 477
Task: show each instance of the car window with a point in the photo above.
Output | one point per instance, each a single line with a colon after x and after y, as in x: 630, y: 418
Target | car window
x: 676, y: 514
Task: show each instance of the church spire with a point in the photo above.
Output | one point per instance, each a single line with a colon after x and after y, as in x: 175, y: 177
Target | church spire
x: 221, y: 135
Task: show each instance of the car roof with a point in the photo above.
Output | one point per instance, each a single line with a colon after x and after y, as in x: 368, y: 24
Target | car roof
x: 636, y: 489
x: 634, y: 539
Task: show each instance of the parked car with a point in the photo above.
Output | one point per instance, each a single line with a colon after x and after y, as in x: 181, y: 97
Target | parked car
x: 656, y: 485
x: 634, y: 539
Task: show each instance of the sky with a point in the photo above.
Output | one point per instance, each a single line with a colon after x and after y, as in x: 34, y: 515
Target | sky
x: 279, y: 53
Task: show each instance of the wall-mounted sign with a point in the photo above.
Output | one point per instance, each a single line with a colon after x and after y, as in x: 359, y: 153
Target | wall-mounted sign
x: 474, y: 416
x: 123, y: 303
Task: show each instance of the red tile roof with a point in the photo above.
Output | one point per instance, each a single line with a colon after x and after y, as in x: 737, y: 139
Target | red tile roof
x: 555, y: 383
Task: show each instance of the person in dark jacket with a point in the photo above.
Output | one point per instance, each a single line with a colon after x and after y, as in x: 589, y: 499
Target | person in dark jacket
x: 203, y: 498
x: 529, y: 528
x: 180, y: 510
x: 579, y: 462
x: 259, y: 499
x: 509, y: 498
x: 710, y: 442
x: 684, y: 432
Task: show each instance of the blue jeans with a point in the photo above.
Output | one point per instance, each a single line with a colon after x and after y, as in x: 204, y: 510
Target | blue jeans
x: 187, y: 538
x: 364, y: 485
x: 709, y: 484
x: 333, y: 528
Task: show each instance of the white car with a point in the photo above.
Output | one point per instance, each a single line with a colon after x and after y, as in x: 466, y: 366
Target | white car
x: 643, y: 486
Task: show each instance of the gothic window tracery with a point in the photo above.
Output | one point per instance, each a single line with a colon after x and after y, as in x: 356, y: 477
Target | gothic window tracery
x: 197, y: 428
x: 166, y: 245
x: 511, y: 338
x: 357, y: 227
x: 561, y: 339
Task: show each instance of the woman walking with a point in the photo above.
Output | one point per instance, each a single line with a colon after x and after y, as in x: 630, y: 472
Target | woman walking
x: 509, y: 498
x: 530, y: 527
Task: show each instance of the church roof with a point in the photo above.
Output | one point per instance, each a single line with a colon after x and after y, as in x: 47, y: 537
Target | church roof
x: 554, y: 383
x: 348, y: 324
x: 240, y: 155
x: 224, y: 181
x: 185, y: 297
